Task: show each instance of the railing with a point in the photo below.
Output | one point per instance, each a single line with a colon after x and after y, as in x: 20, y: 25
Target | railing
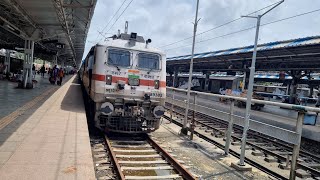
x: 201, y: 102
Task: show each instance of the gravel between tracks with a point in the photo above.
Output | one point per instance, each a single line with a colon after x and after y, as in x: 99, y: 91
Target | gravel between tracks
x: 204, y: 159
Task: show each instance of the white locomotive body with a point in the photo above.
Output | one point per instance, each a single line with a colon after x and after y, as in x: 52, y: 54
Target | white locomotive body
x: 128, y: 84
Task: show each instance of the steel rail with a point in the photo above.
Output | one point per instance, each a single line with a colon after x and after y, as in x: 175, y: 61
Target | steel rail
x: 183, y: 172
x: 234, y: 153
x: 113, y: 159
x: 177, y: 166
x: 280, y: 157
x: 251, y: 132
x: 265, y: 137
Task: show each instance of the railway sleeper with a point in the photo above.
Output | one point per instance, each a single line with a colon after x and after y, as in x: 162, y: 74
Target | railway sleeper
x: 270, y: 159
x: 173, y: 176
x: 259, y: 143
x: 103, y: 155
x: 313, y: 165
x: 283, y: 152
x: 257, y: 153
x: 100, y: 168
x: 102, y: 161
x: 236, y: 143
x: 141, y: 168
x: 219, y: 135
x: 284, y: 166
x: 302, y: 173
x: 247, y: 147
x: 106, y: 178
x: 271, y: 148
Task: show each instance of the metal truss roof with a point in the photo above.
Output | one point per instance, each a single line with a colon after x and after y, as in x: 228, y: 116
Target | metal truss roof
x: 296, y: 54
x: 262, y: 47
x: 57, y: 26
x: 314, y: 76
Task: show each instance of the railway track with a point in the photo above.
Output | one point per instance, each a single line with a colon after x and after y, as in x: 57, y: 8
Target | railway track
x: 271, y: 150
x: 134, y: 158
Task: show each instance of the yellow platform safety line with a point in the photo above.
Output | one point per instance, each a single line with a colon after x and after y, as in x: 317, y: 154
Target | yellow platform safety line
x: 12, y: 116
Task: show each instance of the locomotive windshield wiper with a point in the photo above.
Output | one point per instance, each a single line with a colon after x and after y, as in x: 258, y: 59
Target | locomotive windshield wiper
x: 150, y: 71
x: 111, y: 62
x: 151, y: 68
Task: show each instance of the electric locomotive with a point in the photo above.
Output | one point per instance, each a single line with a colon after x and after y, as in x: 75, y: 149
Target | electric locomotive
x: 125, y: 80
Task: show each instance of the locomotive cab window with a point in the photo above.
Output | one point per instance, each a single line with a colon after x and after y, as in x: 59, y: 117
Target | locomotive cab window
x: 118, y: 57
x: 149, y: 61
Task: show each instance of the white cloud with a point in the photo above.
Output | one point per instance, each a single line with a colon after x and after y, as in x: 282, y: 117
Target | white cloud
x: 168, y: 21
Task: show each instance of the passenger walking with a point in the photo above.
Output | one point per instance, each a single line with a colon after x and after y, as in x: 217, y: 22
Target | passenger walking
x: 318, y: 100
x: 34, y: 70
x: 90, y: 66
x: 55, y: 74
x: 42, y: 70
x: 1, y: 70
x: 60, y: 74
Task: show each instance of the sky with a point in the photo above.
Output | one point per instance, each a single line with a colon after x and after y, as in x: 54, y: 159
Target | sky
x: 169, y: 21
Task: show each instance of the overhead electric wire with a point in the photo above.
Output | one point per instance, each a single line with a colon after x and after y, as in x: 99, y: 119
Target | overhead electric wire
x: 246, y: 29
x: 216, y: 27
x: 110, y: 19
x: 119, y: 16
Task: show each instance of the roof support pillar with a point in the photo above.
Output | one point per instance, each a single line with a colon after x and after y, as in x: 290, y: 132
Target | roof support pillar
x: 7, y: 61
x: 62, y: 63
x: 175, y: 78
x: 207, y: 80
x: 28, y: 62
x: 55, y: 61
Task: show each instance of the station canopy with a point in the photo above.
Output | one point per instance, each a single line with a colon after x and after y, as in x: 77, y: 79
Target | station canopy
x: 58, y: 27
x: 295, y: 54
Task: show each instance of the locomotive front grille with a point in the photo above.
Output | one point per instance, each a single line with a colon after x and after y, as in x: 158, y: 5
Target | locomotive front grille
x: 129, y: 124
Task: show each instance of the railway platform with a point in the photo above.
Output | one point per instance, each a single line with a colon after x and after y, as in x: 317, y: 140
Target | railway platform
x: 11, y: 97
x: 275, y: 116
x: 50, y: 139
x: 283, y: 118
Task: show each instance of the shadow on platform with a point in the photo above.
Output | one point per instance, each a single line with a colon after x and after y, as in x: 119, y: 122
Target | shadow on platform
x: 7, y: 131
x: 73, y: 100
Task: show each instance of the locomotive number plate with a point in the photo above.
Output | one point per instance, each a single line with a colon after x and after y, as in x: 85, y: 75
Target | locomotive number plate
x: 156, y: 94
x: 111, y: 90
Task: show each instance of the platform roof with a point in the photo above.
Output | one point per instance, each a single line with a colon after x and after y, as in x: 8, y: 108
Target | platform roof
x: 57, y: 26
x: 302, y: 53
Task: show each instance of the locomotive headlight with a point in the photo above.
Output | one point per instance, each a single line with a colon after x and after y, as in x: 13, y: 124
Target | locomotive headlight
x: 108, y: 79
x: 158, y: 111
x: 106, y: 108
x: 133, y: 81
x: 156, y: 84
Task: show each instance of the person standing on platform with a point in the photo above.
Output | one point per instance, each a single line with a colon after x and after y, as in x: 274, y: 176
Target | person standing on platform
x: 42, y: 70
x: 55, y: 73
x: 34, y: 70
x: 318, y: 100
x: 60, y: 74
x: 90, y: 66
